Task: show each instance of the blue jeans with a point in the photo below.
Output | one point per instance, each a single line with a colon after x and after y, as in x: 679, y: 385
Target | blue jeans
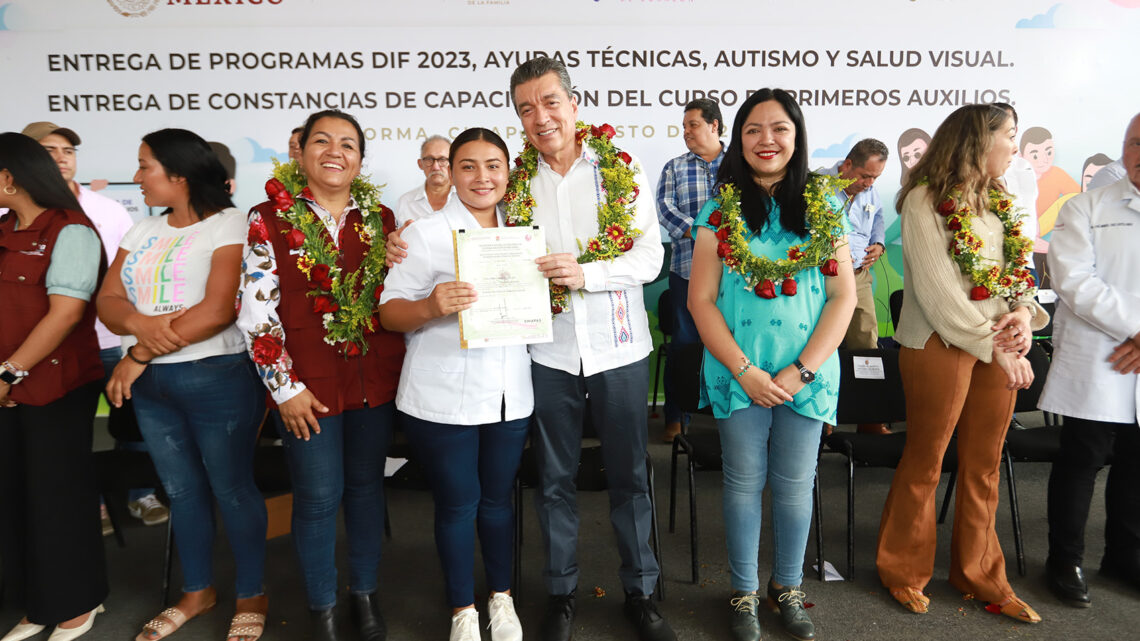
x: 344, y: 462
x: 200, y: 420
x: 110, y: 358
x: 472, y: 470
x: 684, y: 332
x: 777, y: 446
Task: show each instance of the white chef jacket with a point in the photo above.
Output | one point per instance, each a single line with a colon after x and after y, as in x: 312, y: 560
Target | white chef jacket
x: 605, y: 326
x: 439, y: 381
x: 1094, y: 259
x: 414, y: 204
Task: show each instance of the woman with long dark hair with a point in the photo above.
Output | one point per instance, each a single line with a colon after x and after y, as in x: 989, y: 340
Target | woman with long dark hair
x: 194, y: 390
x: 772, y: 293
x: 967, y: 319
x: 51, y: 260
x: 468, y: 428
x: 312, y: 274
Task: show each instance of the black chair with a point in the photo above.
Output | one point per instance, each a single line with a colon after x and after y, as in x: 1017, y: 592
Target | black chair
x: 868, y: 400
x: 665, y: 325
x: 700, y: 446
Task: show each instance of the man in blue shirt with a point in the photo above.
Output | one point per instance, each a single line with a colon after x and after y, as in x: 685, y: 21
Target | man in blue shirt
x: 863, y: 165
x: 686, y: 183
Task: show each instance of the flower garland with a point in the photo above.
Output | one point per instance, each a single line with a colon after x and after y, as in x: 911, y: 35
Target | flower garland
x: 1012, y: 283
x: 761, y: 274
x: 346, y: 300
x: 616, y: 232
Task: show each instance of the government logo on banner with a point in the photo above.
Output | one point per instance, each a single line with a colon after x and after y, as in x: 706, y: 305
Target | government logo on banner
x: 133, y: 8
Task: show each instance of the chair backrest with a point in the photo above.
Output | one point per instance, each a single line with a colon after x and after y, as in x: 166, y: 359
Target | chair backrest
x: 1027, y: 398
x: 870, y: 400
x: 665, y: 312
x: 896, y: 301
x: 686, y: 363
x: 1047, y: 331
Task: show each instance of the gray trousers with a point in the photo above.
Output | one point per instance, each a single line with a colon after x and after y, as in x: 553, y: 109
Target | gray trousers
x: 619, y: 410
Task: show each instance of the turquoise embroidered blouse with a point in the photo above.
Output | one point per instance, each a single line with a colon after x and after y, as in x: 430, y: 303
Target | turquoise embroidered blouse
x: 771, y: 332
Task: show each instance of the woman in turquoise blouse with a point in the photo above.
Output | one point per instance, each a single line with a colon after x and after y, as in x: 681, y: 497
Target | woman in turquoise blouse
x: 772, y: 292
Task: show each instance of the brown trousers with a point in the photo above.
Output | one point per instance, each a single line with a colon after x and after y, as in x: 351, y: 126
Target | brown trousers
x: 947, y: 387
x: 863, y: 332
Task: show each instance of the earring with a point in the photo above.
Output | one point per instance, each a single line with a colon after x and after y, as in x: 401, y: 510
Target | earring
x: 10, y: 190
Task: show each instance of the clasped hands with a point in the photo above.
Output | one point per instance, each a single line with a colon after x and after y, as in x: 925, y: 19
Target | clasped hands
x: 768, y: 391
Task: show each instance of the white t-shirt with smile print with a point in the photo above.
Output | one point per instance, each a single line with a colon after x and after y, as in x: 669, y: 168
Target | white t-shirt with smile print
x: 166, y: 269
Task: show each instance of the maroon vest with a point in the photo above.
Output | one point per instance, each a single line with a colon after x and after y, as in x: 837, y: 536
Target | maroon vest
x: 340, y: 382
x: 24, y: 259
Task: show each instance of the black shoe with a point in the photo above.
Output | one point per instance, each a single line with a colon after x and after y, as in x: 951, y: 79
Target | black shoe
x: 366, y: 615
x: 745, y: 624
x: 1067, y: 581
x: 324, y: 625
x: 651, y: 626
x: 558, y: 622
x: 789, y: 602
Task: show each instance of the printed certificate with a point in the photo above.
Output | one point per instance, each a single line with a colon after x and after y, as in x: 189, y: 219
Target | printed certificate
x: 514, y: 298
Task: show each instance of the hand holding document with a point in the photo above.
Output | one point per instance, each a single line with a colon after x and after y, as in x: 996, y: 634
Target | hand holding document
x: 513, y: 305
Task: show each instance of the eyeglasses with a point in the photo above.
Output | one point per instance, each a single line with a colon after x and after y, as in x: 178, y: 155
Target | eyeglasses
x: 428, y: 161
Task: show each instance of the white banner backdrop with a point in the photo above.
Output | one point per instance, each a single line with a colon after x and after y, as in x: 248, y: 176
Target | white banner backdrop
x: 245, y: 72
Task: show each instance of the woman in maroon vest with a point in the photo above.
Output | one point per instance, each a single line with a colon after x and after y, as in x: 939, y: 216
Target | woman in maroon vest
x: 313, y: 261
x: 51, y: 260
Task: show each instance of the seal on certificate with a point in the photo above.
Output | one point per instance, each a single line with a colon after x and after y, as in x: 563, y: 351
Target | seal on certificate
x: 133, y: 8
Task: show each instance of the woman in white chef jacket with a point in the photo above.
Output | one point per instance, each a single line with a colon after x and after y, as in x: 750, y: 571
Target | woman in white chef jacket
x: 1095, y: 265
x: 466, y: 412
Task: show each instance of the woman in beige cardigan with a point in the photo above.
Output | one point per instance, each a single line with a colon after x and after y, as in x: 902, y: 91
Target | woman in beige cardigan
x: 966, y: 324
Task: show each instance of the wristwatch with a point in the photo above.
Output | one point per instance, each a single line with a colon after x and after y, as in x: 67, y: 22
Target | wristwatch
x: 806, y: 375
x: 11, y: 374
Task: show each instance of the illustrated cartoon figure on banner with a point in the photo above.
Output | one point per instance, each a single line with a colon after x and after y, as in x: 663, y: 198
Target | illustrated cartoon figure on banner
x: 1038, y: 148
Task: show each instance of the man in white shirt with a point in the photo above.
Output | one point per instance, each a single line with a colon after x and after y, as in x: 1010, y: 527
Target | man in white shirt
x: 436, y: 190
x: 600, y: 349
x: 111, y: 220
x: 1093, y: 379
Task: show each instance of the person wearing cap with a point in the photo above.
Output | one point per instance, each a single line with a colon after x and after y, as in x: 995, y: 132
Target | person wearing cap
x: 111, y: 220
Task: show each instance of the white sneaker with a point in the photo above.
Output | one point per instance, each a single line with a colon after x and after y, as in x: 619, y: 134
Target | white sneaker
x: 465, y: 626
x: 505, y: 625
x: 149, y: 510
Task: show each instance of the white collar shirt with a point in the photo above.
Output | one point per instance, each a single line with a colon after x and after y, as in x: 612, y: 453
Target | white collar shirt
x: 414, y: 204
x: 440, y: 382
x: 605, y: 325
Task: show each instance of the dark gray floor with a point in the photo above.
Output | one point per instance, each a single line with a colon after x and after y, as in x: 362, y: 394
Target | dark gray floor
x: 412, y: 594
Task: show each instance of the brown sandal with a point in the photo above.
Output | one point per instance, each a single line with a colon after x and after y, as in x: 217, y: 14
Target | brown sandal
x: 912, y: 599
x: 167, y: 623
x: 248, y: 625
x: 1015, y: 608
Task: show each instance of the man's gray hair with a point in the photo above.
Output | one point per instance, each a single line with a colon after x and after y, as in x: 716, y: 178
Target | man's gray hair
x: 445, y: 139
x: 865, y: 149
x: 537, y: 68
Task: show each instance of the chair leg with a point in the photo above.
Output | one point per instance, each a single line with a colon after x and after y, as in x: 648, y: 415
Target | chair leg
x: 950, y: 483
x: 654, y: 530
x: 673, y: 488
x: 657, y: 375
x: 167, y: 561
x: 693, y: 548
x: 818, y: 500
x: 1014, y: 511
x: 850, y: 516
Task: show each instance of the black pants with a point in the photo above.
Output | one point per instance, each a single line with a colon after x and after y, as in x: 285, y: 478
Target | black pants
x: 50, y: 538
x: 1086, y: 447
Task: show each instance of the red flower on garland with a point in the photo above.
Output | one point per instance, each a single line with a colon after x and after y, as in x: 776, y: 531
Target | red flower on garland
x: 324, y: 304
x: 258, y: 233
x: 351, y: 349
x: 379, y: 290
x: 715, y: 218
x: 266, y: 349
x: 626, y: 158
x: 830, y: 267
x: 788, y: 287
x: 765, y: 289
x: 795, y: 253
x: 731, y: 261
x: 319, y: 277
x: 594, y: 245
x: 723, y: 233
x: 580, y: 136
x: 636, y: 193
x: 555, y: 309
x: 979, y: 292
x: 954, y: 224
x: 723, y: 250
x: 605, y: 130
x: 277, y: 192
x: 947, y: 207
x: 626, y: 244
x: 615, y: 232
x: 294, y: 238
